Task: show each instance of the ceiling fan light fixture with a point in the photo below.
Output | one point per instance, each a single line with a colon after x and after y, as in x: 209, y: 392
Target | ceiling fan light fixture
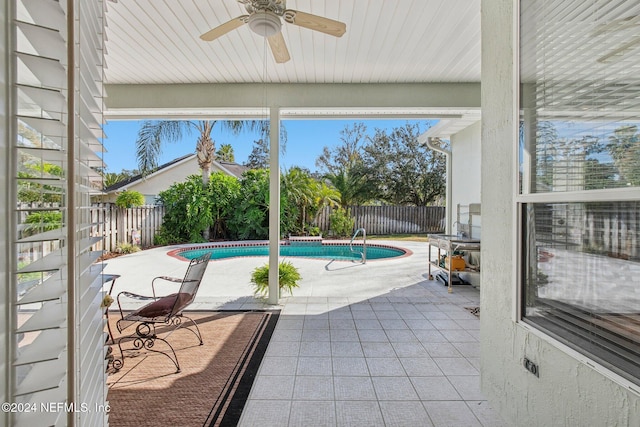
x: 265, y: 23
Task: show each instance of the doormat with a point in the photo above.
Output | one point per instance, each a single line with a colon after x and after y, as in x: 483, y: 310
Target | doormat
x: 215, y: 378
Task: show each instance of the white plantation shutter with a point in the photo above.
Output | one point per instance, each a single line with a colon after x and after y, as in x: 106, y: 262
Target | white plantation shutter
x: 58, y: 328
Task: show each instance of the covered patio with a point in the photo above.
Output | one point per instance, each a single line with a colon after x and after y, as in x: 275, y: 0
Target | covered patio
x: 558, y: 84
x: 356, y: 345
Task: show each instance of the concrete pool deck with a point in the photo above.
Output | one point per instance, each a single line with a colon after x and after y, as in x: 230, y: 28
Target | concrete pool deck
x: 228, y: 281
x: 375, y: 344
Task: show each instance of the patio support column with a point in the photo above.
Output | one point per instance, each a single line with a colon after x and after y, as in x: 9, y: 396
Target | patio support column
x: 274, y: 203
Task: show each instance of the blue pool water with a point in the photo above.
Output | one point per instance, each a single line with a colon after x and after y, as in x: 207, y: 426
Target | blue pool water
x: 338, y: 252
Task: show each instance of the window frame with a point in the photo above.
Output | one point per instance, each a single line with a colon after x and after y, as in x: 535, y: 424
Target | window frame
x: 523, y: 196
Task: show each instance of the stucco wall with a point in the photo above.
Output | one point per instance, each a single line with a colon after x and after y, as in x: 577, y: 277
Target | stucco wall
x: 465, y: 168
x: 465, y: 176
x: 568, y: 392
x: 155, y: 183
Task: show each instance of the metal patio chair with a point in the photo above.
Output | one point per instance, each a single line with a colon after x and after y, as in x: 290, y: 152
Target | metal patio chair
x: 162, y: 311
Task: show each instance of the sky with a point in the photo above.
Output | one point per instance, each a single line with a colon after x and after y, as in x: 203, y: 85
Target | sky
x: 305, y: 141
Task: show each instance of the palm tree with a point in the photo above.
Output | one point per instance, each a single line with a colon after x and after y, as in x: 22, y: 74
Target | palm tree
x: 154, y: 133
x: 225, y: 153
x: 300, y: 187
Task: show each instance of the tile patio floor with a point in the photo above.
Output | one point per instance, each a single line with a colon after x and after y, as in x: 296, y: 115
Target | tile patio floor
x: 407, y: 358
x: 358, y: 345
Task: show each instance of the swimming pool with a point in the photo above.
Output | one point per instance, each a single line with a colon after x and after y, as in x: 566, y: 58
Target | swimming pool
x: 335, y: 251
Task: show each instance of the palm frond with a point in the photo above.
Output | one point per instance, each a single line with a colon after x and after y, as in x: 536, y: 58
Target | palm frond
x: 152, y: 135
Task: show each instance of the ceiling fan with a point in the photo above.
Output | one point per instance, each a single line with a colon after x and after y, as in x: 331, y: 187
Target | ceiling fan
x: 263, y: 17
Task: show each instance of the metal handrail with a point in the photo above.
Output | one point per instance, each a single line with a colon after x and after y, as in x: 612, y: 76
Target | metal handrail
x: 363, y: 254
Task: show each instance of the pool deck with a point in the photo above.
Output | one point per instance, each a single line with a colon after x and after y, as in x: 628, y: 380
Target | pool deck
x: 375, y: 344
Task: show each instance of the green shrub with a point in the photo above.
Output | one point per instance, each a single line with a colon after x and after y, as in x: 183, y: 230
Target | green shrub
x: 314, y: 230
x: 342, y: 222
x: 288, y: 277
x: 127, y: 248
x: 187, y: 211
x: 129, y: 199
x: 39, y: 222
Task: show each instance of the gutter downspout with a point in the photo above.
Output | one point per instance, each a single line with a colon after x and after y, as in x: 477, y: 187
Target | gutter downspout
x: 449, y: 194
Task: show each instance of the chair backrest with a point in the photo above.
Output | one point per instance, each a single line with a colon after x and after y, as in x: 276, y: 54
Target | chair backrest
x: 190, y: 283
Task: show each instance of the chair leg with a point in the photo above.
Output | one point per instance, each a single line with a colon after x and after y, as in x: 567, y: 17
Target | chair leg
x: 145, y: 338
x: 178, y: 322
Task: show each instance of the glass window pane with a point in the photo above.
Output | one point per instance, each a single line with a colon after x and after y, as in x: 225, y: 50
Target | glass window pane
x: 582, y: 278
x: 580, y: 103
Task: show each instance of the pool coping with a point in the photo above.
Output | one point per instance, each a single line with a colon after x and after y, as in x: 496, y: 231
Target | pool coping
x: 175, y: 253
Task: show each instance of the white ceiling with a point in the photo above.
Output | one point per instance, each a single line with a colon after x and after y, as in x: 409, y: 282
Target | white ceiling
x: 387, y: 41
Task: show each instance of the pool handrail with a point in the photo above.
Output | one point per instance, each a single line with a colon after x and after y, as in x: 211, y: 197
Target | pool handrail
x: 363, y: 254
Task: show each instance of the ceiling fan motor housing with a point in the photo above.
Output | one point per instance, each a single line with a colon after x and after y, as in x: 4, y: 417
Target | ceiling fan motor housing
x: 265, y: 23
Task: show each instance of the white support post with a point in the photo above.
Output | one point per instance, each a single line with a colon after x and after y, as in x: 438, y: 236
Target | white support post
x: 274, y: 204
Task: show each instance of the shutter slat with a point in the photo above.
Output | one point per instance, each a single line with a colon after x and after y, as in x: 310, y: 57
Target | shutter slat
x: 43, y: 376
x: 50, y: 262
x: 51, y: 289
x: 48, y: 345
x: 47, y: 42
x: 49, y: 72
x: 52, y: 315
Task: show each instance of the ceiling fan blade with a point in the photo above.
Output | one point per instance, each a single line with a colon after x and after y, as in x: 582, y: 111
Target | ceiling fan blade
x: 223, y: 29
x: 315, y: 22
x: 279, y: 48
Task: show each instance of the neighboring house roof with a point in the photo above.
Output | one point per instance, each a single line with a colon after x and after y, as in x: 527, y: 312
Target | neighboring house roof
x: 230, y: 168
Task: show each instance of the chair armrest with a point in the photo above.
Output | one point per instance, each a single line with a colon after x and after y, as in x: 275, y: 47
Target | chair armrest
x: 132, y: 296
x: 166, y: 278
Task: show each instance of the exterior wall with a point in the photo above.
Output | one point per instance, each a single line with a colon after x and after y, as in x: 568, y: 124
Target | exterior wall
x: 570, y: 389
x: 465, y: 167
x: 465, y: 176
x: 154, y: 184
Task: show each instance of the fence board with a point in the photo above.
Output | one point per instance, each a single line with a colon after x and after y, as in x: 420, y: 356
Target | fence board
x: 117, y: 225
x: 390, y: 219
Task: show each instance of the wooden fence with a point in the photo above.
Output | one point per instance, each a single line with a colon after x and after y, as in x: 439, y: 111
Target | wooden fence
x: 391, y: 219
x: 116, y: 225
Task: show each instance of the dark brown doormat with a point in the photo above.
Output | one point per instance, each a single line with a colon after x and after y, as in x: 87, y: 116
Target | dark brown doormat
x: 215, y: 378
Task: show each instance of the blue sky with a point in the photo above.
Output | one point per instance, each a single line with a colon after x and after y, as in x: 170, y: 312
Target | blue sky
x: 305, y: 140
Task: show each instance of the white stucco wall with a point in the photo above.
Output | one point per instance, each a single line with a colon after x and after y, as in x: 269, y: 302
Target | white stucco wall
x: 570, y: 391
x: 154, y: 184
x: 465, y: 167
x: 465, y: 180
x: 162, y: 180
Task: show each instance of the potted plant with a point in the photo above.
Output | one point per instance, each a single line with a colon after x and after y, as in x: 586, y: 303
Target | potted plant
x: 288, y: 276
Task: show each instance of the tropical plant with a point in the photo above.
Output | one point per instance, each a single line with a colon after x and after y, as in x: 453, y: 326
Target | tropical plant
x: 225, y: 153
x: 353, y: 186
x: 39, y: 222
x: 250, y: 218
x: 301, y: 190
x: 342, y: 222
x: 112, y: 178
x: 187, y: 212
x: 224, y: 192
x: 288, y: 278
x: 31, y: 192
x: 129, y: 199
x: 154, y: 133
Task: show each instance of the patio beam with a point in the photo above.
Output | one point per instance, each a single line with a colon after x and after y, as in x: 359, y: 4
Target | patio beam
x: 299, y: 100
